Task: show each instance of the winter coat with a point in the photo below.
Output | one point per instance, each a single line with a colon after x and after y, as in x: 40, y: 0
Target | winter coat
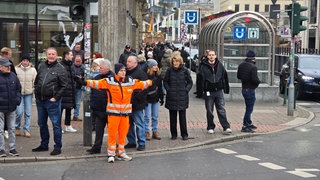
x: 51, y: 81
x: 165, y: 62
x: 177, y: 83
x: 68, y: 97
x: 247, y: 73
x: 139, y: 97
x: 124, y: 56
x: 155, y: 92
x: 26, y: 76
x: 10, y: 92
x: 214, y: 79
x: 98, y: 98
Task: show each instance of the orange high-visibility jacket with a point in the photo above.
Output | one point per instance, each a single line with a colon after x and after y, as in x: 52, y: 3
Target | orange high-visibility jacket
x: 119, y: 92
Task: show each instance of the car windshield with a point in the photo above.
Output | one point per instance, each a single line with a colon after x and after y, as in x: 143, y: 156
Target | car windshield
x: 309, y: 63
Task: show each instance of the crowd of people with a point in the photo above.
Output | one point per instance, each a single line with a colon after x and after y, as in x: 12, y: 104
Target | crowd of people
x: 126, y: 99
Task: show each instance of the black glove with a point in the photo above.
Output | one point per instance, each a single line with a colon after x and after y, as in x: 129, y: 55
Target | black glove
x: 161, y: 102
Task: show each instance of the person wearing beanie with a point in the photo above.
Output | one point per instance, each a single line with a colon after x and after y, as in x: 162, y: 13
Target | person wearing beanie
x: 155, y: 94
x: 248, y: 74
x: 119, y: 88
x: 95, y: 68
x: 26, y: 74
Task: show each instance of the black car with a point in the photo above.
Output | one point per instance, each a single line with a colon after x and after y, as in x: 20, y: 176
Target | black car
x: 306, y: 75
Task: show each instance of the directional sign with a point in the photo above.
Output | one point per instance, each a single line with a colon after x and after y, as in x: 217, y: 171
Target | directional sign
x: 239, y: 33
x: 253, y: 33
x: 191, y: 17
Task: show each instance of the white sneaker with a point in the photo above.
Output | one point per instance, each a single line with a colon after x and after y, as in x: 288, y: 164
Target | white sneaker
x: 124, y: 157
x: 6, y: 134
x: 227, y: 131
x: 70, y: 129
x: 210, y: 131
x: 62, y: 131
x: 110, y: 159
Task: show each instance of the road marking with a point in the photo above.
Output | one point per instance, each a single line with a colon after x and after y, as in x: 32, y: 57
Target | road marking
x: 248, y: 158
x: 2, y: 178
x: 272, y: 166
x: 302, y: 173
x: 225, y: 151
x: 317, y: 125
x: 312, y: 170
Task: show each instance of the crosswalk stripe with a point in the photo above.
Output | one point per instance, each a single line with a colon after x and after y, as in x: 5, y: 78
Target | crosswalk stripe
x: 272, y: 166
x: 248, y: 158
x: 225, y: 151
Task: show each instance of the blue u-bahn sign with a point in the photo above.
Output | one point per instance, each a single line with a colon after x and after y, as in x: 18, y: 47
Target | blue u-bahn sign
x: 239, y: 33
x: 191, y: 17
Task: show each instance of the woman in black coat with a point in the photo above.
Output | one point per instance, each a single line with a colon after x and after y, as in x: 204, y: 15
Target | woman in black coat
x: 177, y: 83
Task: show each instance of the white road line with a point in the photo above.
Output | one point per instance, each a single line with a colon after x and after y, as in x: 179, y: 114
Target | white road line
x: 272, y: 166
x: 317, y: 125
x: 225, y: 151
x: 312, y: 170
x: 248, y: 158
x: 2, y: 178
x: 302, y: 174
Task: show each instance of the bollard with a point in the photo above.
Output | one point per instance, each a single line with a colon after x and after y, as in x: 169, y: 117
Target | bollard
x: 87, y: 124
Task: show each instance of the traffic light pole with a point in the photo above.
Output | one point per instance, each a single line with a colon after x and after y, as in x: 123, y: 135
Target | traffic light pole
x: 291, y: 84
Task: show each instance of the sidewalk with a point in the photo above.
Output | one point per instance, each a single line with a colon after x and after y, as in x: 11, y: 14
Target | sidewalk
x: 269, y: 117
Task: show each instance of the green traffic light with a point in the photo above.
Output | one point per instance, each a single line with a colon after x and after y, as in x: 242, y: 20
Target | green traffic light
x: 297, y: 19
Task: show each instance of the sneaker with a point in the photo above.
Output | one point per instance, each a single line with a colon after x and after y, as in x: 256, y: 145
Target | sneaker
x: 62, y: 131
x: 252, y: 126
x: 70, y: 129
x: 27, y: 134
x: 3, y: 153
x: 13, y: 152
x: 227, y: 131
x: 6, y: 134
x: 124, y: 157
x: 211, y: 131
x: 110, y: 159
x: 247, y: 130
x: 148, y: 136
x: 18, y: 132
x: 55, y: 152
x: 39, y: 149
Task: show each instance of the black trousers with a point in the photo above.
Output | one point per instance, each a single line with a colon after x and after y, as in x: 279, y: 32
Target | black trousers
x: 101, y: 120
x: 182, y: 122
x: 67, y: 120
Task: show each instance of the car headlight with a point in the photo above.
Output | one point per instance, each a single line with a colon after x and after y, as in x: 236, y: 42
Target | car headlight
x: 307, y: 78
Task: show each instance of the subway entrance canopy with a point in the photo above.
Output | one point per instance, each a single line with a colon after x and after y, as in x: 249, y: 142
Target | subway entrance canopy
x: 233, y: 35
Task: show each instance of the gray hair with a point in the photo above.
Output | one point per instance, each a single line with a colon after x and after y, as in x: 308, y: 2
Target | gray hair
x: 105, y: 63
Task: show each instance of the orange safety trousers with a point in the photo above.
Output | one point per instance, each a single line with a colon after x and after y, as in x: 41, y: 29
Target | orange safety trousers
x: 118, y: 127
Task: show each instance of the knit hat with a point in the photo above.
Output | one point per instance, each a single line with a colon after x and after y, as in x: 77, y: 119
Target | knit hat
x: 151, y: 63
x: 127, y: 46
x: 97, y: 61
x: 25, y: 56
x: 149, y: 53
x: 4, y: 61
x: 117, y: 67
x: 251, y: 54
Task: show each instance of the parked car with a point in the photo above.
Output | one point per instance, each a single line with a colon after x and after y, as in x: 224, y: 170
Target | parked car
x: 306, y: 75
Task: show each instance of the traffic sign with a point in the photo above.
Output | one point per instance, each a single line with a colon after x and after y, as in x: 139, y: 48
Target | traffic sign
x: 191, y: 17
x: 239, y: 33
x: 253, y: 33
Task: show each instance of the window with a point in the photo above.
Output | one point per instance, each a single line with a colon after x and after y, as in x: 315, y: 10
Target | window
x: 266, y: 8
x: 256, y: 8
x: 236, y: 8
x: 246, y: 7
x: 313, y: 12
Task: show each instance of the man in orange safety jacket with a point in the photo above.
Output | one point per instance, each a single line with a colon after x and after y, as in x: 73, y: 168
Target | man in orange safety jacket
x: 119, y: 88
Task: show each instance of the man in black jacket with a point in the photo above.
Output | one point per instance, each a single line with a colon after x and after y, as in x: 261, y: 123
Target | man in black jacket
x: 98, y: 103
x: 247, y: 73
x: 215, y: 82
x: 139, y: 102
x: 51, y: 82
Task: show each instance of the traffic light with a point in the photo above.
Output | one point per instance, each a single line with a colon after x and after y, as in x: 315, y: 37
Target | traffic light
x: 297, y: 19
x: 76, y: 9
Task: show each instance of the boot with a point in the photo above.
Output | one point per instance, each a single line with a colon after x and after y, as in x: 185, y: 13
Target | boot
x: 18, y: 132
x: 155, y: 135
x: 148, y: 136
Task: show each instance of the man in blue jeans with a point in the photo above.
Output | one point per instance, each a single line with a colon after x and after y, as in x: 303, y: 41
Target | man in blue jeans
x: 51, y: 82
x: 78, y: 69
x: 248, y: 74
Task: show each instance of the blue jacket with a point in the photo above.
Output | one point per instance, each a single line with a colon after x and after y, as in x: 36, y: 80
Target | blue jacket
x: 10, y: 92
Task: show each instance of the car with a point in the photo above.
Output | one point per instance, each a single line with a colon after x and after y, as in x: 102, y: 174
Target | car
x: 306, y: 75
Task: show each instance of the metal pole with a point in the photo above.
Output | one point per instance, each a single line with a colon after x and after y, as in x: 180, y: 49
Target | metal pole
x: 291, y: 85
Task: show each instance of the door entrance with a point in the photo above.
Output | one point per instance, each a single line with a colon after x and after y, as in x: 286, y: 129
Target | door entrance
x: 14, y: 34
